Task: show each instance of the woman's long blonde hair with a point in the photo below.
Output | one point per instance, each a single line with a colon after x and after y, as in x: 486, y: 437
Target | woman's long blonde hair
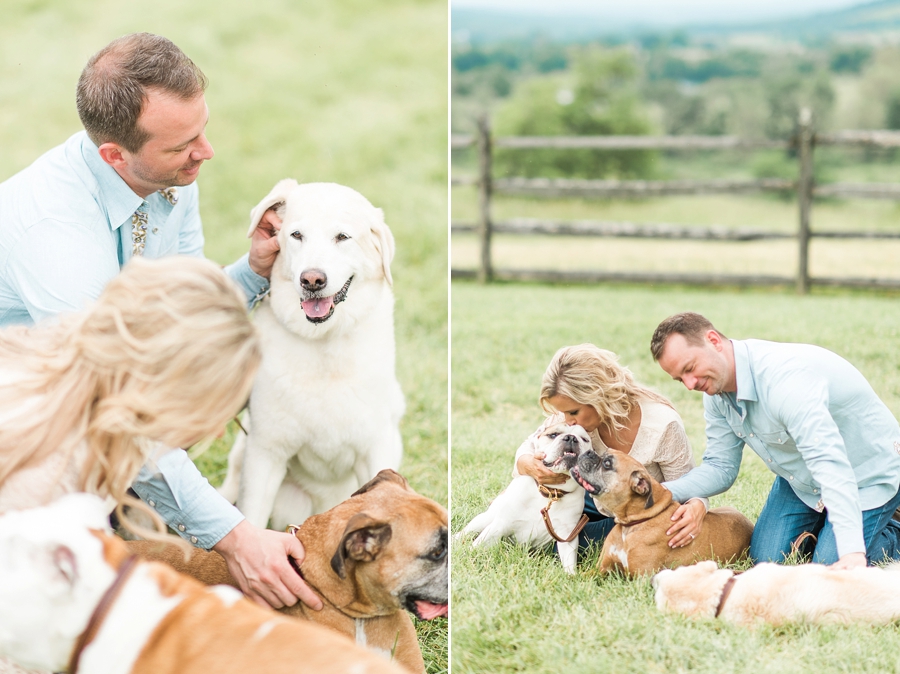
x: 167, y: 354
x: 593, y: 376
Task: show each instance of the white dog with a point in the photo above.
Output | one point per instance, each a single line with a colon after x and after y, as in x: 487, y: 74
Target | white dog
x: 516, y: 512
x: 778, y: 594
x: 326, y: 406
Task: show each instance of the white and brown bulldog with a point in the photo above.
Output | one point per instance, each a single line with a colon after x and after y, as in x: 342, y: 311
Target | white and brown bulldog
x: 521, y: 511
x: 378, y: 554
x: 642, y: 509
x: 73, y: 599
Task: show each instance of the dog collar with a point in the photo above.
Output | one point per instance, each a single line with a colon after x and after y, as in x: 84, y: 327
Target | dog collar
x: 100, y: 611
x: 554, y: 494
x: 726, y: 590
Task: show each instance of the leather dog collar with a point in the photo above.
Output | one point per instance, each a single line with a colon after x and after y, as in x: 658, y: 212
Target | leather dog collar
x: 726, y: 590
x: 554, y: 494
x: 100, y: 611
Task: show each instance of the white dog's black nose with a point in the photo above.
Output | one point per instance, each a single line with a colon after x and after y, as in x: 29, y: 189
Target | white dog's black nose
x: 313, y: 280
x: 570, y: 443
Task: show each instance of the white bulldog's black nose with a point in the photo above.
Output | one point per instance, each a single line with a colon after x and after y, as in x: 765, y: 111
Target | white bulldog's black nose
x: 313, y: 280
x: 570, y: 442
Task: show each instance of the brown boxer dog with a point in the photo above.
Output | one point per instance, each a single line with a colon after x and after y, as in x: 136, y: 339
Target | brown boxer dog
x: 379, y: 552
x: 643, y: 508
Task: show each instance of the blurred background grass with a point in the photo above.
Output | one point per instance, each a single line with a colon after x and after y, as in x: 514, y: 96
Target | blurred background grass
x: 352, y: 92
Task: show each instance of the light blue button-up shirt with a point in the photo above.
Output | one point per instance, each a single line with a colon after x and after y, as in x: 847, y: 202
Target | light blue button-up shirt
x: 65, y: 231
x: 815, y: 421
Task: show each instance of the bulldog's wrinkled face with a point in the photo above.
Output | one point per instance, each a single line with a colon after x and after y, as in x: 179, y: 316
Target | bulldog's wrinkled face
x: 562, y: 445
x: 52, y: 573
x: 613, y: 478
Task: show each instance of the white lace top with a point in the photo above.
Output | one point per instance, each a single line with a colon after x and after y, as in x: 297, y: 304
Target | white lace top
x: 661, y: 443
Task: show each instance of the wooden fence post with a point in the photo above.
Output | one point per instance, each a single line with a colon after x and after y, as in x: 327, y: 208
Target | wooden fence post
x: 485, y: 270
x: 804, y: 196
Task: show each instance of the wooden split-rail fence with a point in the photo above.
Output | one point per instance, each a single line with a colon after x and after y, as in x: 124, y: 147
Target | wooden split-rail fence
x: 805, y: 141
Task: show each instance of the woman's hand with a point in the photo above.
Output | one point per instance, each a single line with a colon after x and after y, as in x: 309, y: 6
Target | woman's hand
x: 533, y: 466
x: 687, y: 522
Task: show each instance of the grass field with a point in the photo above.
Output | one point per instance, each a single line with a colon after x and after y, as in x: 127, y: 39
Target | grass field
x: 515, y: 610
x: 352, y: 92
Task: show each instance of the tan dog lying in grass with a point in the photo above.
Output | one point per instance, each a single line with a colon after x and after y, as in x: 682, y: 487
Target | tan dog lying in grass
x: 371, y: 558
x: 643, y: 509
x: 778, y: 594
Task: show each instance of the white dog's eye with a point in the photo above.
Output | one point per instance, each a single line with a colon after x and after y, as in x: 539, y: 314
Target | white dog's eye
x: 297, y: 235
x: 553, y: 435
x: 341, y: 237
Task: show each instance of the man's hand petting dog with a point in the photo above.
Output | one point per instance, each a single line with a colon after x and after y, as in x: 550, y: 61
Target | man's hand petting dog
x: 264, y: 244
x: 258, y: 560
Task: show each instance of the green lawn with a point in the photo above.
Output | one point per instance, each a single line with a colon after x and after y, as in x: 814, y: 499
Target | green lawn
x: 515, y: 610
x: 352, y: 92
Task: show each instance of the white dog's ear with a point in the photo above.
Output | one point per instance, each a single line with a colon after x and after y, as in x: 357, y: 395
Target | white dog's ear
x: 384, y: 244
x: 65, y: 563
x: 278, y: 194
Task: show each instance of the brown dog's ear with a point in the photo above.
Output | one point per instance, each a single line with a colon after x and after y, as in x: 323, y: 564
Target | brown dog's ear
x: 363, y: 540
x: 386, y: 475
x: 640, y: 485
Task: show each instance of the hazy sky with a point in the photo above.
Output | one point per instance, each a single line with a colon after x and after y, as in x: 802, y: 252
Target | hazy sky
x: 670, y: 12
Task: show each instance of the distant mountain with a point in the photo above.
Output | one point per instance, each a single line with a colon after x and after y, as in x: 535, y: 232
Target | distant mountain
x: 486, y: 26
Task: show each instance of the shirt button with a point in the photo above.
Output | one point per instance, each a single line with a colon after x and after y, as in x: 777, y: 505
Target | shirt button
x: 770, y: 460
x: 194, y: 540
x: 740, y: 435
x: 152, y: 504
x: 751, y: 435
x: 180, y: 527
x: 790, y: 477
x: 156, y: 230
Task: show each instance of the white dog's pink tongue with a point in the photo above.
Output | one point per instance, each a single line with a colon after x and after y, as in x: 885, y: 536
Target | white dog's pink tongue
x: 318, y: 307
x: 428, y: 611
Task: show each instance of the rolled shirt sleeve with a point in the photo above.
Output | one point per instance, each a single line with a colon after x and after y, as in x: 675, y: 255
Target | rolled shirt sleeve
x: 250, y: 282
x: 185, y: 500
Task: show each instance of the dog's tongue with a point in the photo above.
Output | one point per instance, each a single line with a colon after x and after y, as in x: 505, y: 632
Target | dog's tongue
x: 428, y: 611
x: 318, y: 307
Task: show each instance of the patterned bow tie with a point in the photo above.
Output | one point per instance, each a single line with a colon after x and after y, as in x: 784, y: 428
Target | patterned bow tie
x: 140, y: 219
x: 171, y: 194
x: 138, y: 231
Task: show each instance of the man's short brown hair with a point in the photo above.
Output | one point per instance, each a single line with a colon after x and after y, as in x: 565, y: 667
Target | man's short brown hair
x: 691, y: 326
x: 113, y: 86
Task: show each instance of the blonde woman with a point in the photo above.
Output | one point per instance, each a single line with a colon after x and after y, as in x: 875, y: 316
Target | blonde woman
x: 586, y: 385
x: 164, y: 358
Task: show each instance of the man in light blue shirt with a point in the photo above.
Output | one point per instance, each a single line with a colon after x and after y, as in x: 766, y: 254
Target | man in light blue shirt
x: 123, y: 187
x: 815, y: 422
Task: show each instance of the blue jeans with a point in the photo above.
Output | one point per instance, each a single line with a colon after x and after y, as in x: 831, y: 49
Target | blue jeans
x: 784, y: 517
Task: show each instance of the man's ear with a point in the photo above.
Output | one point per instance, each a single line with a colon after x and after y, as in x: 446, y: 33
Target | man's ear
x: 715, y: 339
x: 112, y: 154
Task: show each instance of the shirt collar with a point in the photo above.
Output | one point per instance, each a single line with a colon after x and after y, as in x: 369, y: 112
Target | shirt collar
x: 119, y: 201
x: 746, y: 387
